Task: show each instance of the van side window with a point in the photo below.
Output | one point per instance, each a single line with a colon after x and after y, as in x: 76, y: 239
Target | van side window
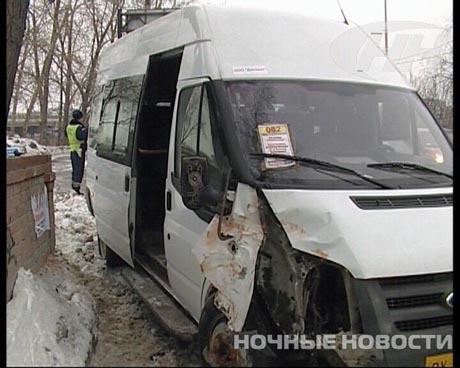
x: 193, y: 132
x: 205, y: 144
x: 130, y: 89
x: 189, y: 108
x: 194, y: 137
x: 118, y: 117
x: 107, y: 121
x: 95, y: 116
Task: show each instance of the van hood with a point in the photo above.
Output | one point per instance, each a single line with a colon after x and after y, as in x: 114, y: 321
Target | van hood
x: 370, y: 243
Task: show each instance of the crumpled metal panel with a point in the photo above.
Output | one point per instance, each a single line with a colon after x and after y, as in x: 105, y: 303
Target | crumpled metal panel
x: 370, y: 244
x: 230, y: 264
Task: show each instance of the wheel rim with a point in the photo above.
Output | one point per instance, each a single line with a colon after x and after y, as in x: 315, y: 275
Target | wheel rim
x: 221, y: 352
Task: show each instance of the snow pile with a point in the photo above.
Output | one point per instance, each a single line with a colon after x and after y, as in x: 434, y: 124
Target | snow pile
x: 49, y: 322
x: 76, y: 236
x: 51, y: 318
x: 31, y: 147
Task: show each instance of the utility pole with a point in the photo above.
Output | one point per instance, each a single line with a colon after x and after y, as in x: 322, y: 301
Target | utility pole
x: 386, y: 29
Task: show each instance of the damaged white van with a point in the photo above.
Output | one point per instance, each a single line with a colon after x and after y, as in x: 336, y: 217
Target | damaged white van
x: 263, y: 191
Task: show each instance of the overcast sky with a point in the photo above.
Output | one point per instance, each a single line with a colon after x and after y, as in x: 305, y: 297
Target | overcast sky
x: 365, y: 11
x: 411, y: 49
x: 431, y: 11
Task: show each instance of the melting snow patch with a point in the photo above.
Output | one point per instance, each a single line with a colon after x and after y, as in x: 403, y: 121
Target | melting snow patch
x: 76, y: 236
x: 49, y: 322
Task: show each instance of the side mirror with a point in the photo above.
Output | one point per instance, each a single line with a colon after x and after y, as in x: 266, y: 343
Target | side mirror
x: 195, y: 189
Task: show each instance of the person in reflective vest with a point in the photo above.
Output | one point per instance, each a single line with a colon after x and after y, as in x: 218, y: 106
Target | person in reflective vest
x: 77, y: 135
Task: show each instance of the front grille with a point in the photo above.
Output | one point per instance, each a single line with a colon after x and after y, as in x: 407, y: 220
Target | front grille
x: 418, y: 302
x: 414, y: 301
x: 379, y: 203
x: 423, y: 324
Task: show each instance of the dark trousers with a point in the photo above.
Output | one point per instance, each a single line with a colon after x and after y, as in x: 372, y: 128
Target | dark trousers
x: 78, y: 167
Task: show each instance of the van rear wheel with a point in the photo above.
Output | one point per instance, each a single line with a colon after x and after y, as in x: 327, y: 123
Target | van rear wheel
x: 108, y: 254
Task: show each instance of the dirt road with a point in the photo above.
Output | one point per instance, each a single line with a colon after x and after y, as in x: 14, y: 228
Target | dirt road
x: 127, y: 333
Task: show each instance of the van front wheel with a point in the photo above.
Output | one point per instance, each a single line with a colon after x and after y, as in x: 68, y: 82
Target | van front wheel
x: 108, y: 254
x: 216, y: 341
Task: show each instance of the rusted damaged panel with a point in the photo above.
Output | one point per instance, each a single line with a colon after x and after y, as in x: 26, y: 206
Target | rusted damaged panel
x: 230, y: 264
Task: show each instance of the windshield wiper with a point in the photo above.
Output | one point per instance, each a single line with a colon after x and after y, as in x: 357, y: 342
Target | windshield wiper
x: 409, y: 166
x: 321, y: 164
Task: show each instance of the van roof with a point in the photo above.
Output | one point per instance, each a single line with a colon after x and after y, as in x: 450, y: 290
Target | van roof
x: 257, y: 43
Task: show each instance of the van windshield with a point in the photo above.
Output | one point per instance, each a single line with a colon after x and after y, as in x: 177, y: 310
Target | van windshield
x: 366, y: 128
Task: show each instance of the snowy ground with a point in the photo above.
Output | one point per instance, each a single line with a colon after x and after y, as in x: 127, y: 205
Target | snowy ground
x: 76, y: 312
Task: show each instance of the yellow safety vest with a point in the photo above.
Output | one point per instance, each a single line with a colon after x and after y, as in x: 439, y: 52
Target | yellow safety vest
x: 74, y: 143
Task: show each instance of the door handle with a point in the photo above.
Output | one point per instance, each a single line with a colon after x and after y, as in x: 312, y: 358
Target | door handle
x: 126, y: 183
x: 168, y: 200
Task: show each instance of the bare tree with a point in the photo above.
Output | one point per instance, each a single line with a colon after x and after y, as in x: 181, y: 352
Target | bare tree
x: 435, y: 85
x: 103, y: 31
x: 44, y: 85
x: 65, y: 64
x: 58, y: 66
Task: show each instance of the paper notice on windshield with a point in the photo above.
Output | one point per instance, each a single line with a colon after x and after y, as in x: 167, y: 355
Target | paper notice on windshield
x: 275, y: 139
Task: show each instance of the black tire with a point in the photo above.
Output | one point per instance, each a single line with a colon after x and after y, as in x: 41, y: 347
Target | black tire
x: 217, y: 348
x: 111, y: 258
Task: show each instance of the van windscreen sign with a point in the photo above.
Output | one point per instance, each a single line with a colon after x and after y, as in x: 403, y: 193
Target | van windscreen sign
x: 275, y: 139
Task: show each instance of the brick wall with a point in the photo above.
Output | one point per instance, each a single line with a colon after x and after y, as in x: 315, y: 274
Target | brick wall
x: 26, y: 176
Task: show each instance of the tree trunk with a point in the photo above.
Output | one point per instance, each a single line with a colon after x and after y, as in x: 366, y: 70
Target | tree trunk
x: 69, y: 70
x: 16, y: 15
x: 30, y: 108
x: 18, y: 85
x: 44, y: 96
